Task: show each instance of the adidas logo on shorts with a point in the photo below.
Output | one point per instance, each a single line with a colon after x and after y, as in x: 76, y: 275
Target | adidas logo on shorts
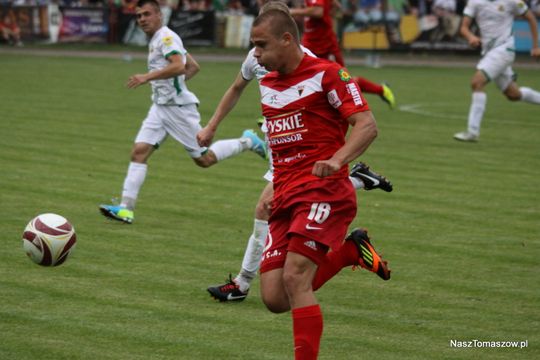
x: 311, y: 244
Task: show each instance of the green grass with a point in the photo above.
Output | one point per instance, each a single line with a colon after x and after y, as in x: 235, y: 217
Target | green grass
x: 461, y: 229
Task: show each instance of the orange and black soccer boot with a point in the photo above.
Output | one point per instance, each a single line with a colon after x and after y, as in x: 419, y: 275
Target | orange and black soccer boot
x: 368, y: 258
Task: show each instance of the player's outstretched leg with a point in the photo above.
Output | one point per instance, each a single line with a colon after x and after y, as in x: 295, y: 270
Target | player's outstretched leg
x: 117, y: 212
x: 383, y: 90
x: 258, y: 145
x: 230, y: 291
x: 388, y: 96
x: 371, y: 179
x: 368, y: 258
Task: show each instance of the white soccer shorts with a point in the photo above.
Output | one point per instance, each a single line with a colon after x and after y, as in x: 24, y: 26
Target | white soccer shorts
x: 180, y: 122
x: 497, y: 64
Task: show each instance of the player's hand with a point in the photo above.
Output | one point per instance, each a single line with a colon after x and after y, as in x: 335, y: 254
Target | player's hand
x: 136, y: 80
x: 474, y: 41
x: 535, y: 52
x: 325, y: 168
x: 205, y: 136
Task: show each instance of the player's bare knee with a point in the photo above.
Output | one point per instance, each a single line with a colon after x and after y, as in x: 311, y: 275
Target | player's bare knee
x: 477, y: 85
x: 262, y: 211
x: 140, y: 153
x: 478, y: 81
x: 275, y: 305
x: 513, y: 97
x: 206, y: 160
x: 294, y: 280
x: 202, y: 162
x: 513, y: 94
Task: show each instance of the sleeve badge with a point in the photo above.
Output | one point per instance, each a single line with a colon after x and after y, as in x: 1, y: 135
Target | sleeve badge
x: 344, y: 75
x: 168, y: 40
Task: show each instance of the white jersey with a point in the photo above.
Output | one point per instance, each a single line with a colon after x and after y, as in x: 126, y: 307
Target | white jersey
x: 251, y: 69
x: 172, y: 91
x: 495, y: 19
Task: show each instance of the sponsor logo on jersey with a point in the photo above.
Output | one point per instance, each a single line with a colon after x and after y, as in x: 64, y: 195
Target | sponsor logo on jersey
x: 292, y: 158
x: 344, y: 75
x: 285, y: 139
x: 353, y: 90
x: 168, y: 40
x: 289, y: 122
x: 333, y: 99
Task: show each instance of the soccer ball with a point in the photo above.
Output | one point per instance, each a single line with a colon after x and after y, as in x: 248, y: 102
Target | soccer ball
x: 49, y: 239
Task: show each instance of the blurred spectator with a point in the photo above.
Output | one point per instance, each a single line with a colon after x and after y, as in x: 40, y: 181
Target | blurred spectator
x: 535, y: 8
x: 251, y: 7
x: 126, y: 15
x: 371, y: 13
x: 114, y: 9
x: 11, y: 33
x: 368, y: 12
x: 421, y: 7
x: 198, y: 5
x: 166, y: 11
x: 448, y: 20
x: 234, y: 7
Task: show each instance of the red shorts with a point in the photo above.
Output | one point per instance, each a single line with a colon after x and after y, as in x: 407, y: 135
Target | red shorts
x: 316, y: 215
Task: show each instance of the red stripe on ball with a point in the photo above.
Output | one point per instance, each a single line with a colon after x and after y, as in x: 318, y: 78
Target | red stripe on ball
x: 44, y: 228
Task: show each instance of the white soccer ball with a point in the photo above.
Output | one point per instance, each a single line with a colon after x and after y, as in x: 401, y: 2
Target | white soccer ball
x: 49, y: 239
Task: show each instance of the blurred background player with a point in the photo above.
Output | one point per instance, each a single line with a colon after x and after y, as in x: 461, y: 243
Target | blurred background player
x: 361, y: 176
x: 173, y: 112
x: 319, y: 37
x: 11, y: 33
x: 495, y: 20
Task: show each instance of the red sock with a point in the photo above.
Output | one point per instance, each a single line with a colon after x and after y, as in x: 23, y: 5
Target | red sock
x: 368, y: 87
x: 346, y: 255
x: 307, y: 331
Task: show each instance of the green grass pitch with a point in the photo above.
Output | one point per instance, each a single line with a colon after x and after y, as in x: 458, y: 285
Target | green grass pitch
x: 461, y: 229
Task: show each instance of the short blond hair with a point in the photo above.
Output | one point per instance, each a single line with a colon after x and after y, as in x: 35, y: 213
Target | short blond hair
x: 280, y: 23
x: 274, y: 5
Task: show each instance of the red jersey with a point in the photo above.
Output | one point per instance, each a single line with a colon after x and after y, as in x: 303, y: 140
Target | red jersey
x: 319, y: 35
x: 306, y: 114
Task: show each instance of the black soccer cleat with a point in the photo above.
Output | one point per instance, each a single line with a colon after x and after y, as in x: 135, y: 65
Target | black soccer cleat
x: 229, y: 291
x: 368, y: 258
x: 371, y: 179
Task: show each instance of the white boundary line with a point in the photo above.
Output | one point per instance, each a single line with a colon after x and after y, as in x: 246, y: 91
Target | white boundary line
x: 423, y: 110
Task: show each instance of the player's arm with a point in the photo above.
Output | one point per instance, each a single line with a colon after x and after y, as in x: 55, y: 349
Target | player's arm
x: 531, y: 19
x: 192, y: 67
x: 314, y: 11
x: 465, y: 31
x: 362, y: 134
x: 175, y: 67
x: 226, y: 104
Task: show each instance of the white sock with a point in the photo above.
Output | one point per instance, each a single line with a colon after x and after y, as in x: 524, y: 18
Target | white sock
x: 224, y: 149
x: 529, y: 95
x: 253, y: 254
x: 132, y: 184
x: 476, y: 112
x: 357, y: 183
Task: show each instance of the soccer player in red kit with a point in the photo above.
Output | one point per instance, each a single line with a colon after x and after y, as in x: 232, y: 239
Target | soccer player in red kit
x: 309, y: 104
x: 320, y: 38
